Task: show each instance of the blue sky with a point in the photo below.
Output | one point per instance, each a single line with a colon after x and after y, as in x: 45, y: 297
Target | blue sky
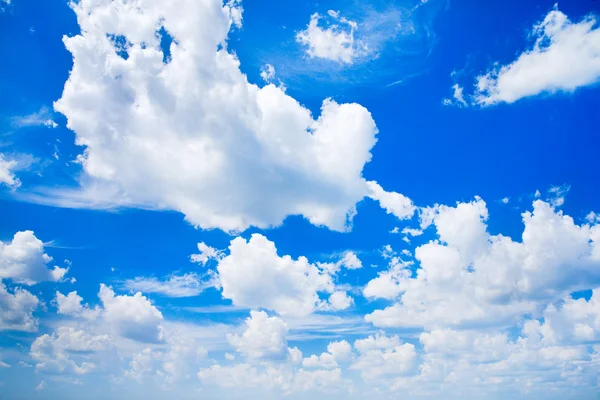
x: 227, y: 199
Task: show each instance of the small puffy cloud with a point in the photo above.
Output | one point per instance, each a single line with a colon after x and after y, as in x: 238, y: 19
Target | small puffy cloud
x: 206, y: 254
x: 335, y: 43
x: 341, y: 351
x: 267, y: 73
x: 253, y: 275
x: 7, y: 175
x: 264, y: 337
x: 71, y: 305
x: 339, y: 300
x: 564, y: 57
x: 187, y: 285
x: 394, y: 203
x: 325, y: 361
x: 132, y: 316
x: 4, y: 365
x: 23, y: 260
x: 17, y: 310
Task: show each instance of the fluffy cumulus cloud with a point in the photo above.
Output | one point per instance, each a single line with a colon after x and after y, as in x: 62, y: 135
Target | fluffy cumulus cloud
x: 264, y: 337
x: 253, y: 275
x: 564, y: 57
x: 67, y: 349
x: 181, y: 128
x: 382, y: 356
x: 470, y: 277
x: 17, y: 310
x: 133, y: 317
x: 23, y: 260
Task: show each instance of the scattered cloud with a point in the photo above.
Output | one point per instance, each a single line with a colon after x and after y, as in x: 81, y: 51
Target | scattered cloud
x: 564, y: 57
x: 186, y: 285
x: 43, y: 117
x: 23, y: 261
x: 335, y: 43
x: 17, y: 310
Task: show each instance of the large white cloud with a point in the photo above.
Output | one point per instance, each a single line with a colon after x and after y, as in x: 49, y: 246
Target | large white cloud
x: 16, y: 310
x: 192, y: 134
x: 23, y: 260
x: 564, y: 57
x: 253, y: 275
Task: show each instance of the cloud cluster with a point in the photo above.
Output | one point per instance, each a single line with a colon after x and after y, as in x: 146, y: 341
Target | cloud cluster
x: 471, y: 277
x: 253, y: 275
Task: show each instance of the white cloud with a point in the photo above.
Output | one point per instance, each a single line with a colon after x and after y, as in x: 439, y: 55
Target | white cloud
x: 390, y: 283
x: 336, y: 352
x: 267, y: 73
x: 264, y: 337
x: 206, y: 254
x: 55, y: 352
x: 393, y: 203
x: 40, y: 118
x: 472, y: 277
x: 187, y: 285
x: 132, y: 316
x: 205, y: 141
x: 17, y: 310
x: 564, y: 57
x: 382, y: 356
x: 270, y: 377
x: 341, y: 350
x: 71, y: 305
x: 4, y: 365
x: 253, y: 275
x: 7, y: 175
x: 458, y: 98
x: 339, y: 300
x: 42, y: 385
x: 335, y: 43
x: 23, y: 260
